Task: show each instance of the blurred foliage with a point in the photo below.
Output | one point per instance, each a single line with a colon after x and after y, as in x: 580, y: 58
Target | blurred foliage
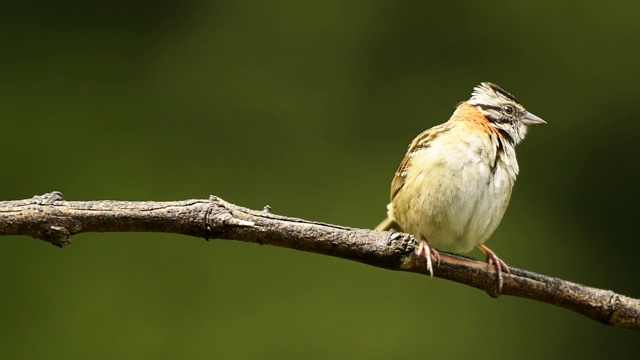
x: 307, y: 107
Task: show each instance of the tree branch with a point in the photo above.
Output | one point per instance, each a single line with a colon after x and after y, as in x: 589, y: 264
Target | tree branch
x: 50, y: 218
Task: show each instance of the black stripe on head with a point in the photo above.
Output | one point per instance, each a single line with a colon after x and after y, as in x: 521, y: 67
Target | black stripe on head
x: 493, y: 113
x: 501, y: 91
x: 489, y: 107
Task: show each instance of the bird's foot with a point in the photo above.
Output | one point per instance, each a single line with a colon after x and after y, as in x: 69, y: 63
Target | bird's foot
x: 498, y: 265
x: 425, y: 250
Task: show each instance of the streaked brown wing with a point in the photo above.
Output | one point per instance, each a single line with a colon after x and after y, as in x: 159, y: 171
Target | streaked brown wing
x: 420, y: 143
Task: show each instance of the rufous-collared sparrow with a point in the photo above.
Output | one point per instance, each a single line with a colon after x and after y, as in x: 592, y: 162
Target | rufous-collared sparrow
x: 453, y: 185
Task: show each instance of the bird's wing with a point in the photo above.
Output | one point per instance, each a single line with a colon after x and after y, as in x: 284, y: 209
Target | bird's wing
x: 421, y: 143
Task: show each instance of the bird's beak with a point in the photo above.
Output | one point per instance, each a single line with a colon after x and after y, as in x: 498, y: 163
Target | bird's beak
x: 530, y: 119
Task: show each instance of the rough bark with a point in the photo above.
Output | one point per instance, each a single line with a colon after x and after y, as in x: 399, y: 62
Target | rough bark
x: 50, y: 218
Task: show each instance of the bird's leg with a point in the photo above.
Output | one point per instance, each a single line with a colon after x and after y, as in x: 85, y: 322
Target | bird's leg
x: 497, y: 263
x: 424, y: 249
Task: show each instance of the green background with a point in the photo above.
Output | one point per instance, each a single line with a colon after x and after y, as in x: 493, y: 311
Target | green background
x: 308, y: 107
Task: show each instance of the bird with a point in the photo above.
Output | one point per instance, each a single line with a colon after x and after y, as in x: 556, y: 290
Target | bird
x: 454, y: 184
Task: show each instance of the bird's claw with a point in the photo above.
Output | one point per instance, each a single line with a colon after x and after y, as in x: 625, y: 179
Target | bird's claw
x: 498, y: 265
x: 425, y: 250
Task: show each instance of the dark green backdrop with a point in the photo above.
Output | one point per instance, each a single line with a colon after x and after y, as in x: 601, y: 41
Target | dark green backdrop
x: 308, y: 108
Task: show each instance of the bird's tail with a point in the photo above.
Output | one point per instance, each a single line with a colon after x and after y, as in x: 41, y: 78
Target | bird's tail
x: 386, y: 224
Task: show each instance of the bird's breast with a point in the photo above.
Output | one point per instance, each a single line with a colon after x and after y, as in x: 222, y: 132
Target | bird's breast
x: 456, y: 193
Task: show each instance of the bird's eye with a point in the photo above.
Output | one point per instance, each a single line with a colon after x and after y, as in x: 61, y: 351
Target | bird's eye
x: 508, y: 110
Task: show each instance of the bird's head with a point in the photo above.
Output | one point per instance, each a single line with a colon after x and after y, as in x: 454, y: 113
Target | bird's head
x: 503, y: 111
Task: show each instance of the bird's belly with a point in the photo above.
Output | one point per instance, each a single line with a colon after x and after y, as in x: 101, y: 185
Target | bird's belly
x: 460, y: 213
x: 465, y: 223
